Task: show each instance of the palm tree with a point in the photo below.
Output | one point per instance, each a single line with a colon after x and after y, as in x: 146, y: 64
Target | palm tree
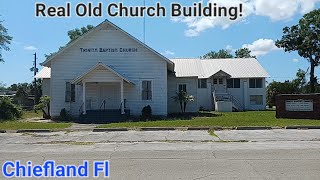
x: 183, y: 98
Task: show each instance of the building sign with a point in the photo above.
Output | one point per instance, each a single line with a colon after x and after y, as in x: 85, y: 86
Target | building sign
x: 108, y: 50
x: 299, y: 105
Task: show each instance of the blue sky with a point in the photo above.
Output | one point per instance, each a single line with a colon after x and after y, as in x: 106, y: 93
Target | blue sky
x: 260, y: 25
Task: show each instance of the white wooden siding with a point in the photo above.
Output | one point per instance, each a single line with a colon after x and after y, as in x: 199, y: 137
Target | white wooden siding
x: 205, y: 97
x: 242, y: 94
x: 45, y: 87
x: 143, y: 64
x: 192, y: 86
x: 102, y: 76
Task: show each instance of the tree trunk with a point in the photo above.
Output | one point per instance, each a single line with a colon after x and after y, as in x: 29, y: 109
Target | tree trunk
x: 184, y: 107
x: 312, y: 78
x: 49, y: 110
x: 181, y: 107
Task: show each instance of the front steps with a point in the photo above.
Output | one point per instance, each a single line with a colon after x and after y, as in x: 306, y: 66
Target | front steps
x: 103, y: 116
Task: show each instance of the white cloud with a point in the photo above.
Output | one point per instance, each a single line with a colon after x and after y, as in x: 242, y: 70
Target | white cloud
x: 261, y: 47
x: 30, y: 48
x: 196, y: 25
x: 167, y: 52
x: 307, y: 5
x: 295, y: 60
x: 229, y: 47
x: 274, y: 9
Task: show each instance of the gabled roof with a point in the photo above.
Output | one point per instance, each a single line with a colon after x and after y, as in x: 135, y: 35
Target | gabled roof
x: 45, y: 73
x: 205, y: 68
x: 82, y: 76
x: 47, y: 62
x: 221, y: 72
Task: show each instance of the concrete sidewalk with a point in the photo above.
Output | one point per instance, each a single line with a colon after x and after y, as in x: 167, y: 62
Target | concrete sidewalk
x: 160, y: 136
x: 106, y: 137
x: 270, y: 135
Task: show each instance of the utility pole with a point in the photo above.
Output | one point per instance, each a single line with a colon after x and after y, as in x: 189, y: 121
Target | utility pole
x: 144, y: 23
x: 35, y: 79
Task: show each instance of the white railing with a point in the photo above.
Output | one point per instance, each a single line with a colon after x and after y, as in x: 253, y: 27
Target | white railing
x: 228, y: 97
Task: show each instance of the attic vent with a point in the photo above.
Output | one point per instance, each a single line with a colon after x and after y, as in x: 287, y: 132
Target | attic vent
x: 100, y: 68
x: 108, y: 27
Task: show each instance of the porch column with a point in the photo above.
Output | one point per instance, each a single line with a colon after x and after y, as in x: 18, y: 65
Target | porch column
x: 122, y: 100
x: 84, y: 97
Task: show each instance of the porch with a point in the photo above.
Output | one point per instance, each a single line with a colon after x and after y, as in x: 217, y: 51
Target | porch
x: 223, y: 100
x: 103, y: 98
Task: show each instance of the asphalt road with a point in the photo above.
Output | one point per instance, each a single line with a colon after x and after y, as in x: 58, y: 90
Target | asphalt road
x: 264, y: 158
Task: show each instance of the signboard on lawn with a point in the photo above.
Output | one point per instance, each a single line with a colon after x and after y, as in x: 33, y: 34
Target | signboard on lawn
x: 299, y: 105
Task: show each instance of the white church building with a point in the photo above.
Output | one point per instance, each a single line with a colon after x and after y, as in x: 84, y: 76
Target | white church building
x: 109, y: 70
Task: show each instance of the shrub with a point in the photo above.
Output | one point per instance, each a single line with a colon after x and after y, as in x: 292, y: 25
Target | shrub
x: 65, y: 115
x: 8, y: 110
x: 44, y: 106
x: 146, y: 112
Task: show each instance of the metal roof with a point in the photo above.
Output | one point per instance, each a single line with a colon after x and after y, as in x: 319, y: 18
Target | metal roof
x: 205, y: 68
x: 44, y: 73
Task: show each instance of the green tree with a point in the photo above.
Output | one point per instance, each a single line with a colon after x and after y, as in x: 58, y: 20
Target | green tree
x: 73, y: 35
x: 300, y: 82
x: 22, y: 92
x: 298, y: 85
x: 5, y: 40
x: 31, y: 89
x: 13, y: 87
x: 2, y: 86
x: 44, y: 106
x: 8, y: 110
x: 183, y: 98
x: 76, y: 33
x: 305, y: 39
x: 244, y: 53
x: 221, y: 54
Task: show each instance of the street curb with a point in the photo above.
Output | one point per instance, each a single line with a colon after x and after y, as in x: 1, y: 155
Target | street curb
x: 253, y: 128
x: 198, y: 128
x: 108, y: 129
x: 158, y: 128
x: 33, y: 130
x: 302, y: 127
x: 217, y: 128
x: 74, y: 130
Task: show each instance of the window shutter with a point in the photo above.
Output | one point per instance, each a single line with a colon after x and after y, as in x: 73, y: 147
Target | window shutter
x: 229, y: 83
x: 236, y: 83
x: 68, y: 92
x: 146, y: 90
x: 73, y: 93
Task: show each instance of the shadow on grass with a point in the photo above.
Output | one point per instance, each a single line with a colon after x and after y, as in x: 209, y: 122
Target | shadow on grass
x: 174, y: 116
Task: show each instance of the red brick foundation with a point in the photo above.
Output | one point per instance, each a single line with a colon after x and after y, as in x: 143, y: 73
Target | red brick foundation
x: 281, y: 106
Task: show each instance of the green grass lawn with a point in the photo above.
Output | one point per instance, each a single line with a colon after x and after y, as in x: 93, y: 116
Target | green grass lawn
x: 15, y: 125
x: 18, y: 124
x: 31, y: 114
x: 250, y: 118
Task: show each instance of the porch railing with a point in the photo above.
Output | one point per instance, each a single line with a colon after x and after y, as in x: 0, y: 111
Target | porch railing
x: 103, y: 104
x: 228, y: 97
x: 81, y: 109
x: 237, y: 103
